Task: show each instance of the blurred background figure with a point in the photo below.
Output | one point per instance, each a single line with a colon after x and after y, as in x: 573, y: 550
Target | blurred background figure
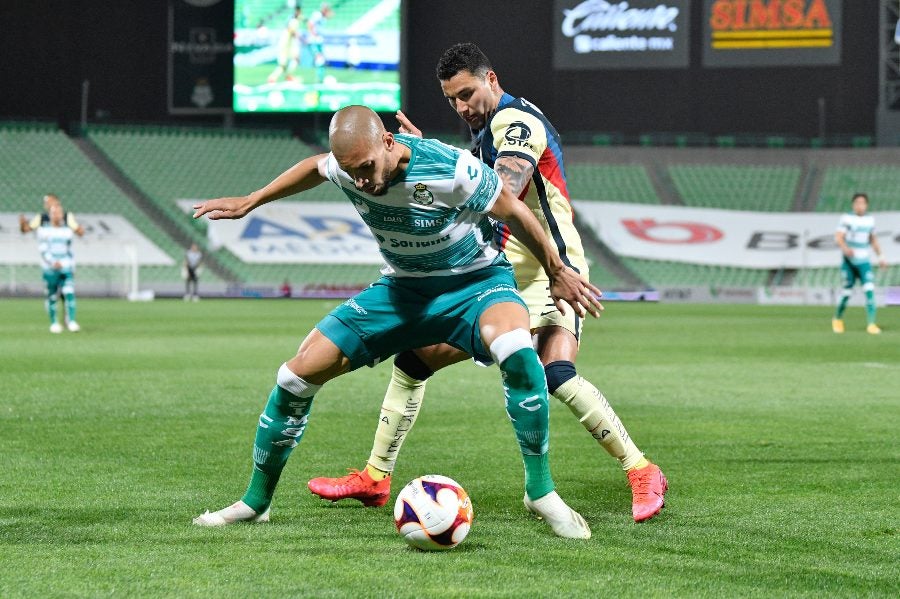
x: 193, y: 258
x: 855, y: 236
x: 27, y: 225
x: 316, y: 40
x: 354, y: 54
x: 289, y: 43
x: 58, y: 265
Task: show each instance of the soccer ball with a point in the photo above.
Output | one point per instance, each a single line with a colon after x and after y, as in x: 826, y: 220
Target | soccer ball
x: 433, y: 513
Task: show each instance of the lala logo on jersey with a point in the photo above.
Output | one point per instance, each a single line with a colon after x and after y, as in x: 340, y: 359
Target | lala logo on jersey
x: 421, y: 194
x: 518, y: 134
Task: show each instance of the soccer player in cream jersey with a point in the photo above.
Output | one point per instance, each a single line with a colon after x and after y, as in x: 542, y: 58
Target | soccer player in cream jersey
x: 427, y: 204
x: 855, y: 236
x: 514, y: 137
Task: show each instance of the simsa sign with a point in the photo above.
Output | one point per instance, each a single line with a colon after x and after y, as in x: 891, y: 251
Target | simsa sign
x: 609, y: 34
x: 754, y: 33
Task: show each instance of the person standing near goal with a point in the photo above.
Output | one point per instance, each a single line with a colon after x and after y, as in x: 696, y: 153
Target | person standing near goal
x: 427, y: 205
x: 855, y: 236
x: 515, y: 138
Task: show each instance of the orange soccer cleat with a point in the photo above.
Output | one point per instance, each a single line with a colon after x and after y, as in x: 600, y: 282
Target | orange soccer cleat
x: 356, y: 485
x: 648, y: 490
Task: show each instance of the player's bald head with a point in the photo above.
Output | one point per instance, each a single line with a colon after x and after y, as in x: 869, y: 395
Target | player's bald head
x: 354, y: 128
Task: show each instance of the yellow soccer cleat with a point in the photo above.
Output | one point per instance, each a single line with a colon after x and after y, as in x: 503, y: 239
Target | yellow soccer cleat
x: 873, y: 329
x: 837, y: 325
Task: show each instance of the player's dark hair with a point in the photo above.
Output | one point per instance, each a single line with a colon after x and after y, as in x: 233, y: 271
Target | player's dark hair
x: 859, y: 195
x: 463, y: 57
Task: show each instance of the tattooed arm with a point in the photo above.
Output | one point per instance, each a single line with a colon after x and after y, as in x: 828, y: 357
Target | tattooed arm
x: 515, y: 172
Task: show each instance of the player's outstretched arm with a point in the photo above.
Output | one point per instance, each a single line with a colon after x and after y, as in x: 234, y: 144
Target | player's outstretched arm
x: 406, y: 125
x: 304, y: 175
x: 566, y: 285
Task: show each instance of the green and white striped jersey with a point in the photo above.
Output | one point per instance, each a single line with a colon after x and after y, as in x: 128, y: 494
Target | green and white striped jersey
x: 433, y: 220
x: 55, y: 245
x: 857, y: 233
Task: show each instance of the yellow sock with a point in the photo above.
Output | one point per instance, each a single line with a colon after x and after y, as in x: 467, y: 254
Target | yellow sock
x: 598, y: 417
x: 642, y: 464
x: 376, y: 474
x: 399, y: 409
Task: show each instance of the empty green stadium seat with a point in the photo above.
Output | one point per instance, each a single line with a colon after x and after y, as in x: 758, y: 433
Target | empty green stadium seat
x: 733, y: 187
x: 610, y: 183
x: 880, y: 181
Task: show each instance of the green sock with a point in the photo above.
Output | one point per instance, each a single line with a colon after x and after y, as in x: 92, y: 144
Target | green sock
x: 50, y: 303
x: 842, y: 305
x: 526, y: 404
x: 280, y: 429
x: 870, y: 306
x: 70, y: 306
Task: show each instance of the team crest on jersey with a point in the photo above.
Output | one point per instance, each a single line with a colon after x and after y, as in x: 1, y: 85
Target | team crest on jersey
x: 421, y: 195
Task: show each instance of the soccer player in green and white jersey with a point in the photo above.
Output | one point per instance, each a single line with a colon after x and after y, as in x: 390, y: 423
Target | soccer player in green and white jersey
x: 58, y: 263
x: 427, y: 205
x: 856, y: 237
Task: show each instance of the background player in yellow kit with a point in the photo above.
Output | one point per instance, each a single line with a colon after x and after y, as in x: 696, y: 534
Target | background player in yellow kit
x: 289, y: 48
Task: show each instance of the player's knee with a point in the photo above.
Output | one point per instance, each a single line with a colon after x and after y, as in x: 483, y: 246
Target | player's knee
x: 295, y: 385
x: 513, y: 352
x: 412, y: 365
x: 870, y: 286
x: 558, y: 373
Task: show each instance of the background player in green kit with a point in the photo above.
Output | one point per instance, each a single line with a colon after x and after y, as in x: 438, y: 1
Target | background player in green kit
x: 856, y: 237
x: 58, y: 264
x: 427, y: 204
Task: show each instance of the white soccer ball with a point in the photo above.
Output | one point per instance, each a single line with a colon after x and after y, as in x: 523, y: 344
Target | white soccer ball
x: 433, y: 513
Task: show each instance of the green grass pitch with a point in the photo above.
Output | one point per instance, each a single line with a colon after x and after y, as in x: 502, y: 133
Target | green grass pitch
x: 779, y: 438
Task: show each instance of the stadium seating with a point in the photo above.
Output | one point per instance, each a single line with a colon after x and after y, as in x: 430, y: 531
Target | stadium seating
x: 610, y: 183
x: 37, y: 159
x: 762, y: 188
x: 657, y: 273
x: 880, y: 181
x: 169, y: 164
x: 831, y: 277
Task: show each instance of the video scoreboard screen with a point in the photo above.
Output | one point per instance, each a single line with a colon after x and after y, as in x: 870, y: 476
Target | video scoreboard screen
x: 312, y: 56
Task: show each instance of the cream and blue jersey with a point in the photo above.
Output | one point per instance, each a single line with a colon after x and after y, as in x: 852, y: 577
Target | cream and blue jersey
x: 858, y: 231
x: 55, y: 245
x: 433, y: 219
x: 518, y: 128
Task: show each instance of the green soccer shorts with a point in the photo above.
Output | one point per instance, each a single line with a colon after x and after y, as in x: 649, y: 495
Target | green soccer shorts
x: 399, y: 313
x: 851, y: 272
